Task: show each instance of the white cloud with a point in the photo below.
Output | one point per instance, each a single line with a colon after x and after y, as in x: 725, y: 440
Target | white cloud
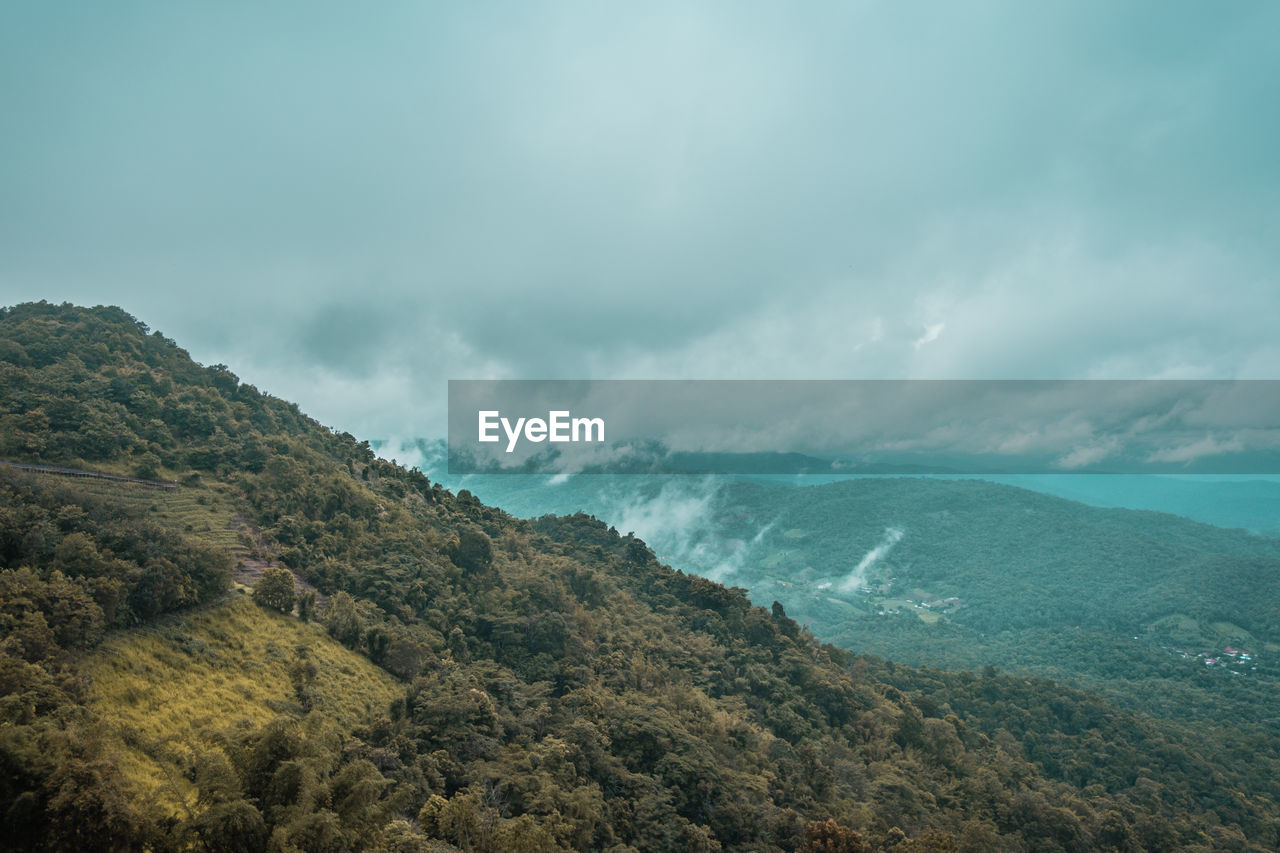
x: 1198, y: 449
x: 931, y: 334
x: 1083, y: 457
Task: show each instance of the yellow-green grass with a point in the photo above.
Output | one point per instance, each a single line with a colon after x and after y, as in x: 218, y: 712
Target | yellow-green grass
x: 1231, y: 631
x: 167, y: 693
x: 1178, y: 622
x: 203, y: 512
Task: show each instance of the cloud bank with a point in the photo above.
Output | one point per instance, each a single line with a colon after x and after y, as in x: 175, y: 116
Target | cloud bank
x: 350, y: 206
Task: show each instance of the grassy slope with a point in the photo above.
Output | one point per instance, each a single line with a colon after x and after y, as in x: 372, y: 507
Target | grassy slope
x: 169, y: 690
x: 204, y: 512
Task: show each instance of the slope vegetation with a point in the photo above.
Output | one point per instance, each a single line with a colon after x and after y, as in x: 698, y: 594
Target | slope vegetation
x: 545, y: 686
x: 173, y: 692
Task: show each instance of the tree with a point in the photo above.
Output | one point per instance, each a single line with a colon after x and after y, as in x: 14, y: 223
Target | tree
x: 475, y: 551
x: 830, y: 837
x: 306, y: 605
x: 303, y: 673
x: 275, y: 589
x: 377, y: 641
x: 234, y: 825
x: 342, y: 620
x: 216, y: 779
x: 147, y: 466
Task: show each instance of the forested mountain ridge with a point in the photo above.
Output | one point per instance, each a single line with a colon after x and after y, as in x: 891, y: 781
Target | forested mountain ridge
x: 1165, y: 614
x: 558, y: 688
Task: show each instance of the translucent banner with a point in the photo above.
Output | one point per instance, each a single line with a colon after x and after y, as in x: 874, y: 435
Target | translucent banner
x: 864, y: 426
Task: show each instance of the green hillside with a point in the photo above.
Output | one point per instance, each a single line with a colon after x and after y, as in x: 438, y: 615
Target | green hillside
x: 965, y: 574
x: 538, y: 686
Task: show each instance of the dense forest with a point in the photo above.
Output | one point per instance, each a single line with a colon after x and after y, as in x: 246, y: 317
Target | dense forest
x: 416, y: 671
x: 965, y: 574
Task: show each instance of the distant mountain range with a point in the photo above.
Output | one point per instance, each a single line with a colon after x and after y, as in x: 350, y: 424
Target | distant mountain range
x: 965, y: 573
x: 1247, y: 501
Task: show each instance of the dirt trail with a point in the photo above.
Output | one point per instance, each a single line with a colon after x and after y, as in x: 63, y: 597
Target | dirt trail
x: 251, y: 564
x: 248, y: 572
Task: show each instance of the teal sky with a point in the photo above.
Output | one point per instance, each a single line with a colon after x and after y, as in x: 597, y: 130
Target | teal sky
x: 350, y: 204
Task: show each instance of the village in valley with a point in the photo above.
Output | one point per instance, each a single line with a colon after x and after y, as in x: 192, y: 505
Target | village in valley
x: 1234, y: 660
x: 1216, y: 646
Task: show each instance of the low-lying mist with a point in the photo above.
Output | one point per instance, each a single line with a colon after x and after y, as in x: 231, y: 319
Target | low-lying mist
x: 857, y: 578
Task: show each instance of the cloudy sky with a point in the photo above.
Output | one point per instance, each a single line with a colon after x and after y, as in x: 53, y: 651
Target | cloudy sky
x: 350, y: 204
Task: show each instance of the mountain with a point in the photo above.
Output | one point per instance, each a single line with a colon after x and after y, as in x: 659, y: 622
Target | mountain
x: 1250, y: 503
x: 966, y: 574
x: 255, y: 634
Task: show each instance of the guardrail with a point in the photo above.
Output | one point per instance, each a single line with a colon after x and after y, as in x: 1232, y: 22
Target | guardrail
x: 91, y: 475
